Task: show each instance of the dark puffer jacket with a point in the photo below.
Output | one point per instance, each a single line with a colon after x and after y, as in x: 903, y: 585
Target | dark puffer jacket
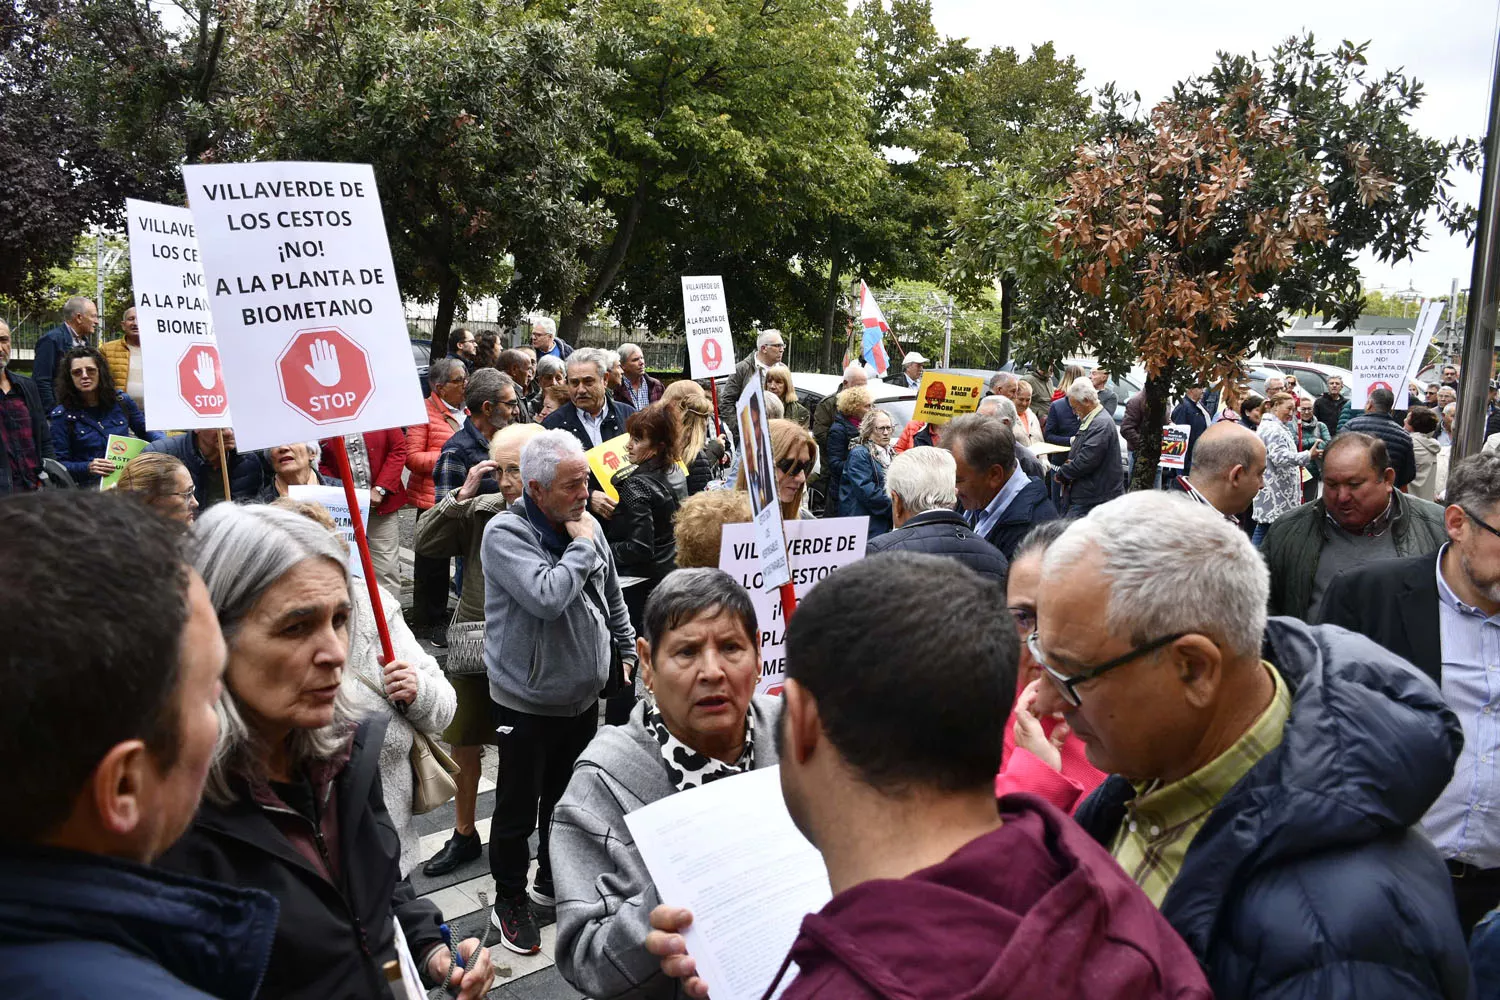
x: 1309, y: 879
x: 943, y: 533
x: 1030, y: 507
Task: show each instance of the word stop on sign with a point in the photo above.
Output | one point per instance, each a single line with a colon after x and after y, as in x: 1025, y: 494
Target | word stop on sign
x: 325, y: 375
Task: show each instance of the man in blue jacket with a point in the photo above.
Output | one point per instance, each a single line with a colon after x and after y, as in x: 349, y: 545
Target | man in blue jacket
x: 1267, y: 775
x: 109, y: 726
x: 80, y: 316
x: 199, y: 451
x: 1000, y: 502
x: 592, y: 417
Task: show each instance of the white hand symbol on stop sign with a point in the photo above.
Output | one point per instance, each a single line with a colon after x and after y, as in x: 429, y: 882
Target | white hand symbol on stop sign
x: 325, y: 363
x: 204, y: 372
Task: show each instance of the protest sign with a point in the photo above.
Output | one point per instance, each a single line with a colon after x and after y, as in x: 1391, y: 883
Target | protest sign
x: 757, y: 464
x: 1427, y: 323
x: 335, y: 501
x: 1379, y: 363
x: 941, y: 397
x: 309, y: 321
x: 705, y: 316
x: 120, y: 450
x: 1174, y: 445
x: 179, y: 357
x: 606, y: 459
x: 814, y: 550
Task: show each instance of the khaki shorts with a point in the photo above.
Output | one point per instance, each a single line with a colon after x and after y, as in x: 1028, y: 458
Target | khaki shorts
x: 474, y: 721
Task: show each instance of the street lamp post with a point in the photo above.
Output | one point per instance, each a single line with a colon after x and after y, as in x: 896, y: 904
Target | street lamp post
x: 1479, y: 332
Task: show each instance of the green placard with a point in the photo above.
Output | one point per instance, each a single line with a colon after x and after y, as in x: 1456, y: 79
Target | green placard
x: 120, y: 450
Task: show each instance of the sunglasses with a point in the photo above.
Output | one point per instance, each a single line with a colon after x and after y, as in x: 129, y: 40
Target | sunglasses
x: 791, y: 467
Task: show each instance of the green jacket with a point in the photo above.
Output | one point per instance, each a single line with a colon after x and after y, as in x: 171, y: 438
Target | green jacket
x: 1295, y: 541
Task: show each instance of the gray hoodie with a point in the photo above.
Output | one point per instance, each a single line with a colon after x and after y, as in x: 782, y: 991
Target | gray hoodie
x: 549, y: 620
x: 604, y: 893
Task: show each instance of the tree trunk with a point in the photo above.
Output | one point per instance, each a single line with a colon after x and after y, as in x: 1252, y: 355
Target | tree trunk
x: 1144, y: 475
x: 447, y: 305
x: 1007, y: 306
x: 831, y: 302
x: 608, y: 269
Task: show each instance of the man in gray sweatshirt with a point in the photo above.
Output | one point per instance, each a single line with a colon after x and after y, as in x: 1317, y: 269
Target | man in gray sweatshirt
x: 554, y: 621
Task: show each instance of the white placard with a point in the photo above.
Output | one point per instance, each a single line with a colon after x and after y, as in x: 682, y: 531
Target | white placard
x: 333, y: 500
x: 705, y: 316
x: 758, y: 465
x: 729, y: 852
x: 311, y: 329
x: 814, y: 550
x: 411, y: 979
x: 1379, y: 362
x: 1174, y: 445
x: 1427, y: 324
x: 180, y: 366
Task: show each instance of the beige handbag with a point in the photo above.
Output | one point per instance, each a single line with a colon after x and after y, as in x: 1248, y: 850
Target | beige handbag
x: 432, y: 769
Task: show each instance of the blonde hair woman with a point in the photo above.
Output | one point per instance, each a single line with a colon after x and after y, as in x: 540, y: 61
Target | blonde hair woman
x: 163, y: 482
x: 778, y: 380
x: 698, y: 450
x: 853, y: 404
x: 794, y: 453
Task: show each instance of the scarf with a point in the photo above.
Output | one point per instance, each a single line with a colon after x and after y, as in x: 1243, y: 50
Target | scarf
x: 686, y: 767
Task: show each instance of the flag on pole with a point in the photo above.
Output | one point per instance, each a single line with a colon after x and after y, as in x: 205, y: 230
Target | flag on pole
x: 872, y: 350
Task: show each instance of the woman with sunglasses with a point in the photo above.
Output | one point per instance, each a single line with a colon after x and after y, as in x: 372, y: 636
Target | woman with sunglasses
x: 794, y: 453
x: 1041, y: 755
x: 89, y: 409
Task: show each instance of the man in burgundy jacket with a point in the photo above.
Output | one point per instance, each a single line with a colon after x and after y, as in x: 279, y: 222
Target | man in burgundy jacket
x: 376, y: 458
x: 889, y: 741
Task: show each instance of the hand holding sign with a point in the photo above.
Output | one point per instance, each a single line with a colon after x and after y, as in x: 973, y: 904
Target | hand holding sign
x: 325, y: 364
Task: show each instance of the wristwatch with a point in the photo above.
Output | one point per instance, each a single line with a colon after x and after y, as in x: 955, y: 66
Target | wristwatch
x: 380, y: 491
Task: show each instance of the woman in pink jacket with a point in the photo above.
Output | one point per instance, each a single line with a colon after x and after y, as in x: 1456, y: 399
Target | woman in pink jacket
x: 1041, y: 755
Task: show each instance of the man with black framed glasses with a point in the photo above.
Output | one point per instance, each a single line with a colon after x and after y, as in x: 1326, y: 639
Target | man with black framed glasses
x: 1441, y: 612
x: 1267, y: 774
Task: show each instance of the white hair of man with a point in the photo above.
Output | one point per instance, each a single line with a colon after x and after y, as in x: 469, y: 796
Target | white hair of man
x: 590, y: 356
x: 855, y: 370
x: 613, y: 357
x: 766, y: 336
x: 628, y: 351
x: 1172, y: 565
x: 923, y: 478
x: 1083, y: 391
x: 1450, y: 412
x: 1003, y: 380
x: 999, y: 407
x: 75, y: 307
x: 542, y: 454
x: 544, y: 324
x: 551, y: 364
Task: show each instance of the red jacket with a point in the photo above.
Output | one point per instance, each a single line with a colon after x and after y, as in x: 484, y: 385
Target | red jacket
x: 423, y: 443
x: 387, y: 450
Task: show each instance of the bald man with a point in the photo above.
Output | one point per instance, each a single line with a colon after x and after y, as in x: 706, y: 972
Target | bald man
x: 1229, y: 468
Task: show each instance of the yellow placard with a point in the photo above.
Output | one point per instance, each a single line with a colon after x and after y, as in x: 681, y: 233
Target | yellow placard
x: 607, y: 459
x: 941, y: 397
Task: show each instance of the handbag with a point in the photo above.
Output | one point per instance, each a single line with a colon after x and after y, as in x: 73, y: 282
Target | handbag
x: 465, y: 648
x: 432, y: 769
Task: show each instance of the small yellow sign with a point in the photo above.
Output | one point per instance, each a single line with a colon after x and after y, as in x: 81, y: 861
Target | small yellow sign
x: 941, y: 397
x: 607, y: 459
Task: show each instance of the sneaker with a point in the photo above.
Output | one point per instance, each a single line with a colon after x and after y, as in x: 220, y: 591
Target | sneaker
x: 542, y: 893
x: 517, y: 925
x: 460, y: 849
x: 439, y: 636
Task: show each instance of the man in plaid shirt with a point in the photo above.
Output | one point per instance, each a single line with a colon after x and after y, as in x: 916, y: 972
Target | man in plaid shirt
x: 1267, y: 774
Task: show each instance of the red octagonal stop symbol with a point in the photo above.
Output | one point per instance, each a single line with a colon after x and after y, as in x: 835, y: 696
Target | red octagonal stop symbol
x: 325, y: 375
x: 200, y: 381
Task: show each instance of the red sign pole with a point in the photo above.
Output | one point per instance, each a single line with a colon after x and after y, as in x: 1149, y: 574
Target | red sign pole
x: 788, y: 600
x: 341, y: 456
x: 713, y: 387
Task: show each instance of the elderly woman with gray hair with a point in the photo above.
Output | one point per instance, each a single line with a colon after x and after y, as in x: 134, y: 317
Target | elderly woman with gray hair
x: 293, y: 465
x: 700, y: 661
x: 1093, y: 473
x: 293, y: 803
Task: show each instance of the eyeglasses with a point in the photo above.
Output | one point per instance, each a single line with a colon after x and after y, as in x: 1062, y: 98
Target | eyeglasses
x: 791, y: 467
x: 509, y: 403
x: 185, y: 495
x: 1485, y: 525
x: 1068, y: 684
x: 1025, y: 620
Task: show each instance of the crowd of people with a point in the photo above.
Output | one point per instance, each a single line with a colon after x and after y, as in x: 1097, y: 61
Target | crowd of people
x: 1230, y: 737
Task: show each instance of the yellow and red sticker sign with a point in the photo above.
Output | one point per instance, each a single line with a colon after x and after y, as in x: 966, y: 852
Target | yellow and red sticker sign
x: 941, y: 397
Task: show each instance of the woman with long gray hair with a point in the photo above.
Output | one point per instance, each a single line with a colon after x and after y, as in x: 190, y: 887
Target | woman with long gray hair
x: 293, y: 802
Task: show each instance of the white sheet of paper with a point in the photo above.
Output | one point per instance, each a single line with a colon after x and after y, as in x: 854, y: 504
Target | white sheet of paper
x: 332, y: 499
x: 729, y: 852
x: 410, y: 977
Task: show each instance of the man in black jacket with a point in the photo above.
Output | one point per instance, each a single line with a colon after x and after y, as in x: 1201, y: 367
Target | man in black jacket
x: 199, y: 451
x: 1330, y: 406
x: 593, y: 417
x: 998, y: 500
x: 1377, y: 420
x: 1439, y: 612
x: 1093, y: 473
x: 80, y: 317
x: 122, y: 696
x: 920, y: 484
x: 25, y: 435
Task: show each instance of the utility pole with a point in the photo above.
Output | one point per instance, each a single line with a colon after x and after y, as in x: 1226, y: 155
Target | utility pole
x: 947, y: 330
x: 1484, y: 285
x: 99, y: 283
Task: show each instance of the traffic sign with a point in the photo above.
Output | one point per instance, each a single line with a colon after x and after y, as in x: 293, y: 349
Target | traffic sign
x: 325, y: 375
x: 200, y: 381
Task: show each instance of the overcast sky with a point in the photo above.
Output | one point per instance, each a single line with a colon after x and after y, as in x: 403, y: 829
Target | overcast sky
x: 1148, y: 45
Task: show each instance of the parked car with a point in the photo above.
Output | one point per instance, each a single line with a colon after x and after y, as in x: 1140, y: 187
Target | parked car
x: 898, y: 401
x: 1311, y: 376
x: 421, y: 355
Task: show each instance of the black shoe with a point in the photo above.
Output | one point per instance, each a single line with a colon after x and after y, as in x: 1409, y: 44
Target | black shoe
x: 542, y: 893
x: 458, y: 850
x: 439, y: 637
x: 517, y: 924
